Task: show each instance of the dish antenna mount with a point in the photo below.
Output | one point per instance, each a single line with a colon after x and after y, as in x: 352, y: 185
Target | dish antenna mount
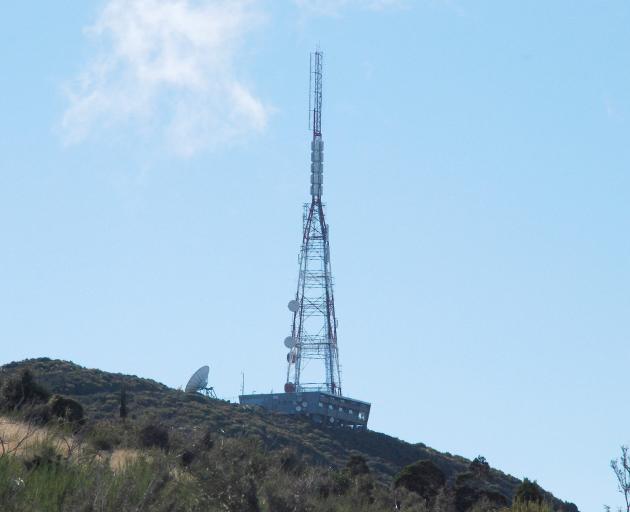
x: 198, y: 383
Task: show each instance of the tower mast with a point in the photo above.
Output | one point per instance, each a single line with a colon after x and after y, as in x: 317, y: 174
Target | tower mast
x: 314, y: 325
x: 313, y: 385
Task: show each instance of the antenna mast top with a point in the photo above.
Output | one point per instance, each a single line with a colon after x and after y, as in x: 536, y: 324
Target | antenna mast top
x: 316, y: 92
x: 317, y: 145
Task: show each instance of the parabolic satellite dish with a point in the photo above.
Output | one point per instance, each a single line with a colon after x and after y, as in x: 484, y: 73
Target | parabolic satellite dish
x: 293, y: 305
x: 199, y: 380
x: 289, y: 342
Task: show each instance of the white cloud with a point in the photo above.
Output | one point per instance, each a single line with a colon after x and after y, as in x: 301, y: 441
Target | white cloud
x: 168, y: 64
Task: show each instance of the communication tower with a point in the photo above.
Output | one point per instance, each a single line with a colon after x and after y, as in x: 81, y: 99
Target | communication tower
x: 313, y: 378
x: 314, y: 325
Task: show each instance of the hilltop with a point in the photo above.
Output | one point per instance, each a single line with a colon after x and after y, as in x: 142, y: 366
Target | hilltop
x: 189, y: 418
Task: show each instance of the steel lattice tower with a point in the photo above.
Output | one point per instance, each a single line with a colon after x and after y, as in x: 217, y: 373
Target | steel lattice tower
x: 313, y: 385
x: 314, y: 326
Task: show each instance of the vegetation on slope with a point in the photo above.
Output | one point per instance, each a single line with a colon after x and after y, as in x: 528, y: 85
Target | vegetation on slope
x: 192, y: 453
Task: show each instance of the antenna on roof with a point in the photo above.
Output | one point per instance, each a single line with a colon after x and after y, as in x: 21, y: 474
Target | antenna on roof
x: 198, y: 383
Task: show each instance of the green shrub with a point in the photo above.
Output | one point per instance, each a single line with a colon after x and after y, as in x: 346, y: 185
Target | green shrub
x: 187, y: 457
x: 339, y: 483
x: 154, y: 436
x: 422, y: 477
x: 104, y: 437
x: 123, y: 410
x: 38, y: 414
x: 207, y: 442
x: 22, y: 390
x: 66, y: 408
x: 470, y: 495
x: 357, y: 465
x: 54, y: 485
x: 529, y: 491
x: 530, y: 506
x: 289, y: 461
x: 479, y: 466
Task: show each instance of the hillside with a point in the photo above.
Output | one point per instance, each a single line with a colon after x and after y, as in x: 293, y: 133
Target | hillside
x: 189, y: 417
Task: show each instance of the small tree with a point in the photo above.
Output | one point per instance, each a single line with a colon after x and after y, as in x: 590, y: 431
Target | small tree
x: 20, y: 390
x: 123, y: 402
x: 422, y: 477
x: 621, y: 467
x: 154, y: 436
x: 529, y: 491
x: 66, y: 408
x: 207, y: 441
x: 479, y: 466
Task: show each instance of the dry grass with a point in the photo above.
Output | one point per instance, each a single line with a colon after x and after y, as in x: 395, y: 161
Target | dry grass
x: 122, y: 457
x: 18, y: 437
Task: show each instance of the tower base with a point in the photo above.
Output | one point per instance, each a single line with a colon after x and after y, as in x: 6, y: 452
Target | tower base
x: 319, y: 406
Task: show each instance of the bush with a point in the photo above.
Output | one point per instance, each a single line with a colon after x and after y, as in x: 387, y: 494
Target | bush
x: 38, y: 414
x: 422, y: 477
x: 357, y: 465
x: 45, y: 456
x: 468, y: 496
x: 289, y: 461
x: 529, y: 491
x: 104, y: 438
x: 22, y: 390
x: 186, y: 458
x: 479, y: 466
x: 530, y: 506
x: 339, y: 483
x: 66, y: 408
x: 154, y: 436
x: 54, y: 485
x: 206, y: 441
x: 102, y: 443
x: 231, y: 473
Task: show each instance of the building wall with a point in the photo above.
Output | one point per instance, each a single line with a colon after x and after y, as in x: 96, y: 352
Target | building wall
x: 321, y: 407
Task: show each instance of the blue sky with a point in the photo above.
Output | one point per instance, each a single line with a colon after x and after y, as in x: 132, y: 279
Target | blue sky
x: 154, y: 160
